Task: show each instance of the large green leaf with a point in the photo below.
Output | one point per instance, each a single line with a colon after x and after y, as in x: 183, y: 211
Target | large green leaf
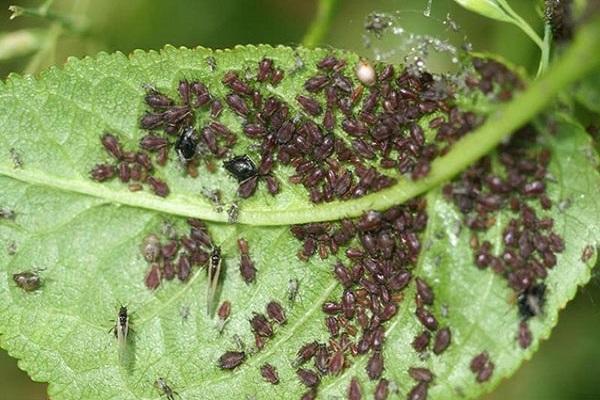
x: 84, y: 238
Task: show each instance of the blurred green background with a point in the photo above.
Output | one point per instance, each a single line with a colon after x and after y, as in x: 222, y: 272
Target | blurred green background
x: 567, y: 365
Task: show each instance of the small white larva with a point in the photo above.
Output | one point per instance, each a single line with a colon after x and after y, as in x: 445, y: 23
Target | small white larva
x: 365, y: 73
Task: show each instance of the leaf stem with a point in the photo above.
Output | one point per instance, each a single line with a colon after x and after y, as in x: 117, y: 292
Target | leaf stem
x: 321, y: 24
x: 521, y: 23
x: 545, y: 58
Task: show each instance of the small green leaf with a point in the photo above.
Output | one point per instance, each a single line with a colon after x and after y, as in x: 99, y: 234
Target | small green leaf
x: 487, y: 8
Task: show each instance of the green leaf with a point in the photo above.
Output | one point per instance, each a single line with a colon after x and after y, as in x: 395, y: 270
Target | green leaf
x: 87, y: 251
x: 587, y: 92
x: 487, y: 8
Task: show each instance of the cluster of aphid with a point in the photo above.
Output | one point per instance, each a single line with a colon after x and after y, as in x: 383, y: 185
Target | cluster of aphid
x: 131, y: 167
x: 263, y: 328
x: 380, y: 116
x: 529, y: 245
x: 494, y: 79
x: 178, y: 255
x: 383, y: 249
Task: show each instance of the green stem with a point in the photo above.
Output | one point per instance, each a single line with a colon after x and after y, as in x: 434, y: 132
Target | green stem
x: 321, y: 24
x: 545, y: 58
x: 521, y: 23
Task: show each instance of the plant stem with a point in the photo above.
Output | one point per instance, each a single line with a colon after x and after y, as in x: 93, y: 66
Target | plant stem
x: 521, y: 23
x: 321, y: 24
x: 545, y: 58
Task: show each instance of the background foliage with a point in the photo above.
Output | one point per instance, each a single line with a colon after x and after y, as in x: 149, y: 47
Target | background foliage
x: 561, y: 370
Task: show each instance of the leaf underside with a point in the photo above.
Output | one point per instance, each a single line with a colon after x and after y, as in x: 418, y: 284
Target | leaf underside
x: 87, y: 248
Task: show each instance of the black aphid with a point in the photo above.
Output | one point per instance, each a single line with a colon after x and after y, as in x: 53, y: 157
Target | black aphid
x: 186, y: 145
x: 241, y: 167
x: 531, y: 301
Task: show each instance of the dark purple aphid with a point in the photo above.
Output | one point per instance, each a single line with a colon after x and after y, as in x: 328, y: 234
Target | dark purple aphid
x: 241, y: 167
x: 418, y: 392
x: 375, y: 366
x: 442, y: 340
x: 309, y: 105
x: 277, y: 76
x: 421, y: 341
x: 308, y: 377
x: 157, y: 100
x: 102, y: 172
x: 261, y: 326
x: 237, y: 104
x: 247, y: 269
x: 426, y: 318
x: 424, y: 291
x: 184, y: 268
x: 269, y: 373
x: 159, y: 187
x: 316, y: 83
x: 265, y: 69
x: 231, y: 359
x: 420, y: 374
x: 381, y: 390
x: 531, y: 301
x: 306, y: 352
x: 153, y: 277
x: 354, y: 390
x: 224, y: 310
x: 29, y: 281
x: 524, y: 336
x: 311, y: 394
x: 276, y: 313
x: 112, y: 146
x: 248, y: 187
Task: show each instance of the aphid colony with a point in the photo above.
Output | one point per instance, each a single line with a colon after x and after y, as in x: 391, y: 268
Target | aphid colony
x: 263, y: 328
x: 176, y: 256
x: 378, y: 109
x: 529, y: 245
x: 384, y: 247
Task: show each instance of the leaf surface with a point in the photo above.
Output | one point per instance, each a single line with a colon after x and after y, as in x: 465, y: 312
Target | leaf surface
x: 84, y: 238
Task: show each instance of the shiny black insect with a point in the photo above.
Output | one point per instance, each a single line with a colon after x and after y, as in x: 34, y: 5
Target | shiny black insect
x: 241, y: 167
x: 531, y: 301
x: 29, y: 281
x: 186, y: 145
